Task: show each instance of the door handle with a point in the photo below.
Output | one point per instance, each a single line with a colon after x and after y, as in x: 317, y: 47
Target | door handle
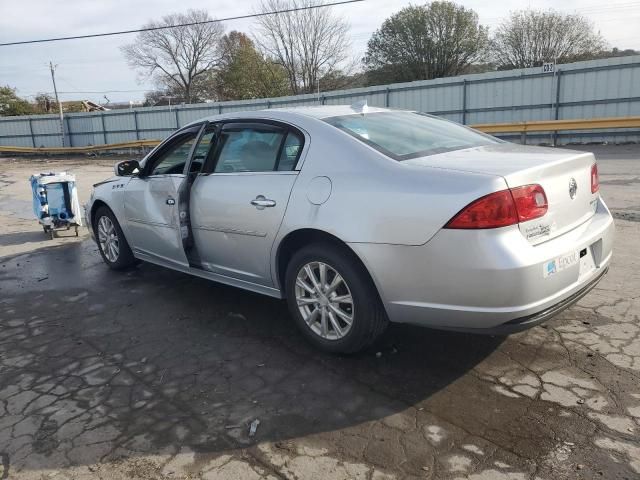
x: 261, y: 202
x: 171, y: 201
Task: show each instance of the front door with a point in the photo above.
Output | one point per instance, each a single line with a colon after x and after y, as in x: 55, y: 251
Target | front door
x: 238, y: 203
x: 151, y: 202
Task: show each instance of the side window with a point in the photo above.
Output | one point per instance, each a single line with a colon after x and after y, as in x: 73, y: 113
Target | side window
x: 290, y: 152
x: 172, y: 159
x: 249, y: 150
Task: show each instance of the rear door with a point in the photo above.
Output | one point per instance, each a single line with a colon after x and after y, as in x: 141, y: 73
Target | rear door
x: 238, y: 203
x: 151, y: 201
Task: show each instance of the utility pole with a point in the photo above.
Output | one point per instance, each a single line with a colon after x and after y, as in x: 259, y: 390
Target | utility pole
x: 55, y: 91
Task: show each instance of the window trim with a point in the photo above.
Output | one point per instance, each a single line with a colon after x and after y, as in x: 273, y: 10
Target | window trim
x: 212, y: 153
x: 286, y: 128
x: 279, y: 154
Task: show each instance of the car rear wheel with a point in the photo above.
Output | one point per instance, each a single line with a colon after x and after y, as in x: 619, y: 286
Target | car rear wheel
x: 114, y: 249
x: 333, y: 299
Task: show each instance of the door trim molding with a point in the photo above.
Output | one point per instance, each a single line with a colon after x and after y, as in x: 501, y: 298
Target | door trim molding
x: 230, y: 230
x: 153, y: 224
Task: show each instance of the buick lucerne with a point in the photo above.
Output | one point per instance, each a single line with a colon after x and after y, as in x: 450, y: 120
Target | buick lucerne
x: 359, y: 216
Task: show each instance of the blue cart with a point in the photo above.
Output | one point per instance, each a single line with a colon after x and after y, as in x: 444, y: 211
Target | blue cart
x: 55, y: 202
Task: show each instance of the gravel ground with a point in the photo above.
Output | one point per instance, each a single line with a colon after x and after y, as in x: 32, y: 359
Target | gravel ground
x: 153, y: 374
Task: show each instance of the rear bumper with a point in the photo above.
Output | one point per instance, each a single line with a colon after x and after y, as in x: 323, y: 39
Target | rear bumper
x: 487, y: 281
x: 524, y: 323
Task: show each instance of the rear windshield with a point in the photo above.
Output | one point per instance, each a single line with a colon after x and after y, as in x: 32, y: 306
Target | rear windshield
x: 405, y: 135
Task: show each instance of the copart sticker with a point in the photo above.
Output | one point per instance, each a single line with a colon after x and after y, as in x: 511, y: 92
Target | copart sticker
x: 558, y: 264
x: 538, y: 230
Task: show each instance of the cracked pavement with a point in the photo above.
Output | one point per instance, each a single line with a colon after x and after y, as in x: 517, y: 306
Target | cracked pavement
x: 152, y: 374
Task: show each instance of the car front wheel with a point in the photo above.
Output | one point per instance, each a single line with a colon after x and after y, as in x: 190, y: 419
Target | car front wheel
x: 114, y: 249
x: 333, y: 299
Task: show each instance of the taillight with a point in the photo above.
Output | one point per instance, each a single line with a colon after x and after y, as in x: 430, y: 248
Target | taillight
x: 531, y: 202
x: 595, y: 179
x: 503, y: 208
x: 491, y: 211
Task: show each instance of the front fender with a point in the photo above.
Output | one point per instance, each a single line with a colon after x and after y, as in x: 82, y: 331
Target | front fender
x: 110, y: 193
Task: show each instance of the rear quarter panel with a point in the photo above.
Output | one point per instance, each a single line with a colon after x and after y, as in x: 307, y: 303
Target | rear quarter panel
x: 375, y: 199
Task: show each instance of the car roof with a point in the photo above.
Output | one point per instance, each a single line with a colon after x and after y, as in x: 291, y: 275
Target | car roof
x: 317, y: 112
x: 326, y: 111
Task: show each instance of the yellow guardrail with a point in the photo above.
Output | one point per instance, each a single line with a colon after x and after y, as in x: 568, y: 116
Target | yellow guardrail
x: 517, y: 127
x: 559, y: 125
x: 87, y: 149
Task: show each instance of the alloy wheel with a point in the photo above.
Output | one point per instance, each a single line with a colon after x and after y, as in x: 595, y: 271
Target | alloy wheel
x: 324, y: 300
x: 108, y: 239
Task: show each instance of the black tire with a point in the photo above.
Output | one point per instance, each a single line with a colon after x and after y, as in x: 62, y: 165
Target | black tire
x: 125, y: 257
x: 369, y: 319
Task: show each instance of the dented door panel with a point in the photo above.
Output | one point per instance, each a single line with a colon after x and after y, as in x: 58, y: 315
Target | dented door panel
x: 151, y: 209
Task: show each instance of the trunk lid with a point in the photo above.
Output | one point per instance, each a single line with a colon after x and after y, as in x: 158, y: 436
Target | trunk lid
x: 559, y: 171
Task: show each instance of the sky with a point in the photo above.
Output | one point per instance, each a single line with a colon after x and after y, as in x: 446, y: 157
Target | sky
x: 95, y: 68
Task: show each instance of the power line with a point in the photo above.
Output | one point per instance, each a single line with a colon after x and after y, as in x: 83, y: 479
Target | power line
x: 148, y: 29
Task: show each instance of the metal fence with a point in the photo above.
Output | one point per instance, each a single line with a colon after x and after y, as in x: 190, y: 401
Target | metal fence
x: 597, y: 88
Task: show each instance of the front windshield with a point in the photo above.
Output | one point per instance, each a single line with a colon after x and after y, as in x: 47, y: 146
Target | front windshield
x: 405, y: 135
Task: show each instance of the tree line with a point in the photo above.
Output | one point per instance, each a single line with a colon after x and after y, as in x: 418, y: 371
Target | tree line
x: 286, y: 54
x: 308, y: 50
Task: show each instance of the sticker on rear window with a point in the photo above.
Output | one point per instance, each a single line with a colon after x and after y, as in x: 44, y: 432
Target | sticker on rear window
x: 558, y: 264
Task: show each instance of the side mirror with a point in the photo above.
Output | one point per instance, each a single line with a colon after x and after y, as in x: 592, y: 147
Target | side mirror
x: 127, y: 168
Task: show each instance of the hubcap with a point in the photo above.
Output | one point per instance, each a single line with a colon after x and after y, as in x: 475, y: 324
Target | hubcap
x: 108, y: 239
x: 324, y: 300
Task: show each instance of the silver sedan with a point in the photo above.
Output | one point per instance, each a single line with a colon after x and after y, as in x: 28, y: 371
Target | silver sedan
x: 360, y: 216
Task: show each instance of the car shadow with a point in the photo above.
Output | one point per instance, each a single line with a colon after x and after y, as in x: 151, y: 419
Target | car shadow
x: 146, y: 359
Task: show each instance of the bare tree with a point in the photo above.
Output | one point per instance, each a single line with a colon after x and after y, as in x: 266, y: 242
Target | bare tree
x: 45, y: 103
x: 177, y: 57
x: 309, y: 43
x: 528, y: 38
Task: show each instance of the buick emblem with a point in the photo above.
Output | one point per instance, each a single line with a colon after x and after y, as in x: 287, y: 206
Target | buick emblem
x: 573, y: 188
